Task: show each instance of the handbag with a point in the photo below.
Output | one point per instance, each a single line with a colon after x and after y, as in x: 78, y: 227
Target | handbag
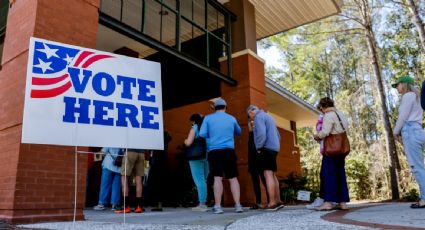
x: 118, y: 159
x: 337, y: 144
x: 197, y: 150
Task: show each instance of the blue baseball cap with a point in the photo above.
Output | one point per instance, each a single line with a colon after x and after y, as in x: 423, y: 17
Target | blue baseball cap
x: 219, y: 102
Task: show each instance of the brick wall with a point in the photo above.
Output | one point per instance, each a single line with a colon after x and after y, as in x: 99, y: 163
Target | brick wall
x: 37, y: 181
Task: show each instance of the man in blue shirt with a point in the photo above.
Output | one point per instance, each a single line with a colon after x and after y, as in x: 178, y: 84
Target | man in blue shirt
x: 219, y: 129
x: 267, y: 143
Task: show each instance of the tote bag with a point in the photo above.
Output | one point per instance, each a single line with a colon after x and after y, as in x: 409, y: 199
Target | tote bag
x: 197, y: 150
x: 337, y: 144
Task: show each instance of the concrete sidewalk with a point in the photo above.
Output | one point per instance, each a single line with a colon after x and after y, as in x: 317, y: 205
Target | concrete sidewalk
x: 364, y: 216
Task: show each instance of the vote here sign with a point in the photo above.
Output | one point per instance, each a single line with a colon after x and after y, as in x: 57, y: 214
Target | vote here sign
x: 83, y: 97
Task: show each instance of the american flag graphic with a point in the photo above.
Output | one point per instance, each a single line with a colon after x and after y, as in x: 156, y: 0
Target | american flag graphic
x: 50, y: 76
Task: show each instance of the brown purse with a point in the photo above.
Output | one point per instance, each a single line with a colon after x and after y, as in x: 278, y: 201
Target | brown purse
x: 337, y: 144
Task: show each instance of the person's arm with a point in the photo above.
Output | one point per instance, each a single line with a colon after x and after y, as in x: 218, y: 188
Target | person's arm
x: 259, y: 133
x: 406, y: 105
x: 203, y: 132
x: 238, y: 130
x: 190, y: 137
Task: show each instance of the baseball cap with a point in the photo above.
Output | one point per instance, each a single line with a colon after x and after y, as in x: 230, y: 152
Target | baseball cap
x: 403, y: 79
x: 219, y: 102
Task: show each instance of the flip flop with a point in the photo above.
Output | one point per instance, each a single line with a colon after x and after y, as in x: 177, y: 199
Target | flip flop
x: 417, y: 205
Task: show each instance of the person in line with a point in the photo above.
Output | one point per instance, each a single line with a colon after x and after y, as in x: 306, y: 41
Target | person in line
x: 133, y: 165
x: 198, y: 167
x: 333, y: 168
x: 267, y: 144
x: 408, y: 131
x: 110, y: 185
x: 219, y: 129
x: 319, y: 200
x: 254, y: 168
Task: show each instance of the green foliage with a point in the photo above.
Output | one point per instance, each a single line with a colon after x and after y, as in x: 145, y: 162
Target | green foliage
x: 331, y: 58
x: 412, y: 195
x: 358, y: 178
x: 290, y: 186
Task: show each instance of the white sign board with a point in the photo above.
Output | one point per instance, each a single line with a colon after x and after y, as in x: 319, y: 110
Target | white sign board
x: 83, y: 97
x: 303, y: 195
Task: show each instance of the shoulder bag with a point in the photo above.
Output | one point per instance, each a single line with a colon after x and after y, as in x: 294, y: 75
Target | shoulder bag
x: 197, y: 150
x: 337, y: 144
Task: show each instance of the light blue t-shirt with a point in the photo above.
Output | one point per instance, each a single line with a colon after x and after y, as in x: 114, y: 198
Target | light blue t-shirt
x: 108, y: 161
x: 219, y: 129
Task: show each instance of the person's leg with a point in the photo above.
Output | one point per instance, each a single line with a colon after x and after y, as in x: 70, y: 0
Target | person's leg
x: 271, y: 187
x: 329, y: 179
x: 105, y: 186
x: 218, y: 190
x: 235, y: 189
x: 116, y: 189
x: 139, y: 191
x: 139, y: 172
x: 263, y: 181
x: 256, y: 186
x: 322, y: 183
x: 341, y: 181
x: 277, y: 189
x: 197, y: 170
x: 413, y: 142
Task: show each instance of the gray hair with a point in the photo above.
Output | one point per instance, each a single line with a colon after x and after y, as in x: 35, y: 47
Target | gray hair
x: 251, y: 108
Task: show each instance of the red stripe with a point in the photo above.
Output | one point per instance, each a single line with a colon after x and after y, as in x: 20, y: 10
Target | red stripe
x: 83, y: 55
x: 95, y: 58
x: 51, y: 92
x: 47, y: 81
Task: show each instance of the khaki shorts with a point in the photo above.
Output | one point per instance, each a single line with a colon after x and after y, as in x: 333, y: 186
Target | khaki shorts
x: 134, y: 163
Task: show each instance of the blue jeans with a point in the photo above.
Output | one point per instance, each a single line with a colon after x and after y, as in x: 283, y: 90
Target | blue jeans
x: 414, y: 142
x: 110, y: 181
x: 334, y: 179
x: 200, y: 170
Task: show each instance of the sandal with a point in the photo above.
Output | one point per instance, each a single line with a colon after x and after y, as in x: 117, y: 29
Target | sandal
x: 417, y: 205
x: 324, y: 207
x: 342, y: 207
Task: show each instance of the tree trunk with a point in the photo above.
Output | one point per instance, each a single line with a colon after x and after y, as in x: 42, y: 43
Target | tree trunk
x: 389, y: 138
x: 417, y: 20
x: 366, y: 18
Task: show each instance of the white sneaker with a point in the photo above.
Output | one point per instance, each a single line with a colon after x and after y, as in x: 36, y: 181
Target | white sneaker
x: 99, y: 207
x: 316, y: 203
x: 200, y: 208
x: 238, y: 208
x: 217, y: 210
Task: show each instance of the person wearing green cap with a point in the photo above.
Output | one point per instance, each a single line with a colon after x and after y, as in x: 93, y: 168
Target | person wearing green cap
x: 408, y: 130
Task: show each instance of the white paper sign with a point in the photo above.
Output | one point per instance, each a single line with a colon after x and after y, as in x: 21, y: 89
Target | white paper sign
x: 83, y: 97
x: 303, y: 195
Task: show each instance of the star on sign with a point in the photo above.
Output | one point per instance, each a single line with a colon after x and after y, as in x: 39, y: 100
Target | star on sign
x: 68, y: 59
x: 43, y: 65
x: 49, y: 52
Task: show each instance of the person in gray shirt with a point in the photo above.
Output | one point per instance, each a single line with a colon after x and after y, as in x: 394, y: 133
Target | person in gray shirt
x: 267, y: 143
x: 408, y: 130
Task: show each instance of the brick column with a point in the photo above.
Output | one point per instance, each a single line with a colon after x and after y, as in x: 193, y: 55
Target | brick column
x: 248, y: 71
x: 37, y: 181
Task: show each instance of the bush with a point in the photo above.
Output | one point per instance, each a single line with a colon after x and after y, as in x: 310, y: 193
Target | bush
x: 290, y: 186
x: 412, y: 195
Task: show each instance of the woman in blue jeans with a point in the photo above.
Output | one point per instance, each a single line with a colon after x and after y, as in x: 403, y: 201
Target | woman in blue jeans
x: 198, y: 167
x: 409, y: 132
x: 110, y: 184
